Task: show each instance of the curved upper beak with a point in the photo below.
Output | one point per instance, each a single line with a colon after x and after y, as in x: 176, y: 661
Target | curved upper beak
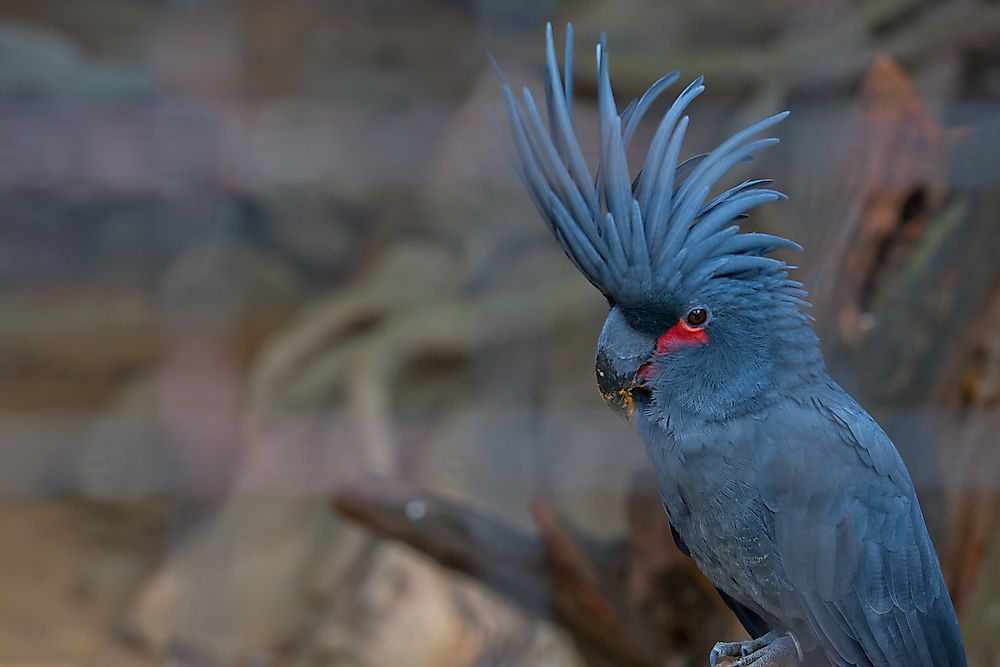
x: 621, y: 351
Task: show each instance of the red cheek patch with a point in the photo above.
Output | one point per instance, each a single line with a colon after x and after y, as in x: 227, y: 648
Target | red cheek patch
x: 679, y: 336
x: 646, y: 371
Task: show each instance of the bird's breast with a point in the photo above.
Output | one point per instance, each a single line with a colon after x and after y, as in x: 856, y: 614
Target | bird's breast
x: 710, y: 495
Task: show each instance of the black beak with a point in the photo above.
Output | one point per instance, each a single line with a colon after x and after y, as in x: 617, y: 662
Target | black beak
x: 621, y: 350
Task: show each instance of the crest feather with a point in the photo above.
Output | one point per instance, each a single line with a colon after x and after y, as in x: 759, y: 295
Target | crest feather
x: 643, y: 237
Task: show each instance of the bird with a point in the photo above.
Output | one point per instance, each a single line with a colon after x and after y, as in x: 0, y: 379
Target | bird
x: 786, y: 493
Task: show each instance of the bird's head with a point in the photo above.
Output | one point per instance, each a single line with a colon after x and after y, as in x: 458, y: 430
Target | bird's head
x: 702, y: 318
x: 713, y: 352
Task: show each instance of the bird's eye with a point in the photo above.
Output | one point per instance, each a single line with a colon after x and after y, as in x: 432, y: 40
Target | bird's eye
x: 697, y: 316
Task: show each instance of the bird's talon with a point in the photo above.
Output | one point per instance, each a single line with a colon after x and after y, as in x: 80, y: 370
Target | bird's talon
x: 770, y: 650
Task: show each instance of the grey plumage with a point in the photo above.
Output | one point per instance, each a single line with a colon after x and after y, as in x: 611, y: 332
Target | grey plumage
x: 785, y: 492
x: 815, y: 529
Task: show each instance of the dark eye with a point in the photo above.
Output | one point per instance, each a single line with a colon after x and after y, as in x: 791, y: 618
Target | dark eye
x: 697, y: 316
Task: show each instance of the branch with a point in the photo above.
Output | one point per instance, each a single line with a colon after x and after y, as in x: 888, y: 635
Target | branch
x: 582, y: 588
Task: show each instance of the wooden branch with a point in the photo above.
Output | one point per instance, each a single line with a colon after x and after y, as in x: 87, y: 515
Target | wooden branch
x: 551, y: 575
x: 582, y: 588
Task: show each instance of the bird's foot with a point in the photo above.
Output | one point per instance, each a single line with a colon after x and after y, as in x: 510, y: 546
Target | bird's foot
x: 771, y: 650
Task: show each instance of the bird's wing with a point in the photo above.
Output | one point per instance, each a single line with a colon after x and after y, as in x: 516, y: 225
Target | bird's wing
x: 851, y: 541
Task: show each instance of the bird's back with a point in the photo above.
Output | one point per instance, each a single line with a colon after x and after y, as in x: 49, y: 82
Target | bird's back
x: 804, y: 513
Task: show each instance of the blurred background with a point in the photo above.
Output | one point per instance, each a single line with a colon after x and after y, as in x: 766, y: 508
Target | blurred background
x: 291, y: 373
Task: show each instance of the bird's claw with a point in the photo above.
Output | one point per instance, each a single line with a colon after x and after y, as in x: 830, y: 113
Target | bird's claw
x: 771, y: 650
x: 738, y: 649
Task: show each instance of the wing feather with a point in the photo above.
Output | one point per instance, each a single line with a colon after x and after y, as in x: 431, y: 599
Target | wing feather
x: 856, y: 551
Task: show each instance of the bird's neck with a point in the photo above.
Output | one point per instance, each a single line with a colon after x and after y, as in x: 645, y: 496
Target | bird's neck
x: 756, y: 381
